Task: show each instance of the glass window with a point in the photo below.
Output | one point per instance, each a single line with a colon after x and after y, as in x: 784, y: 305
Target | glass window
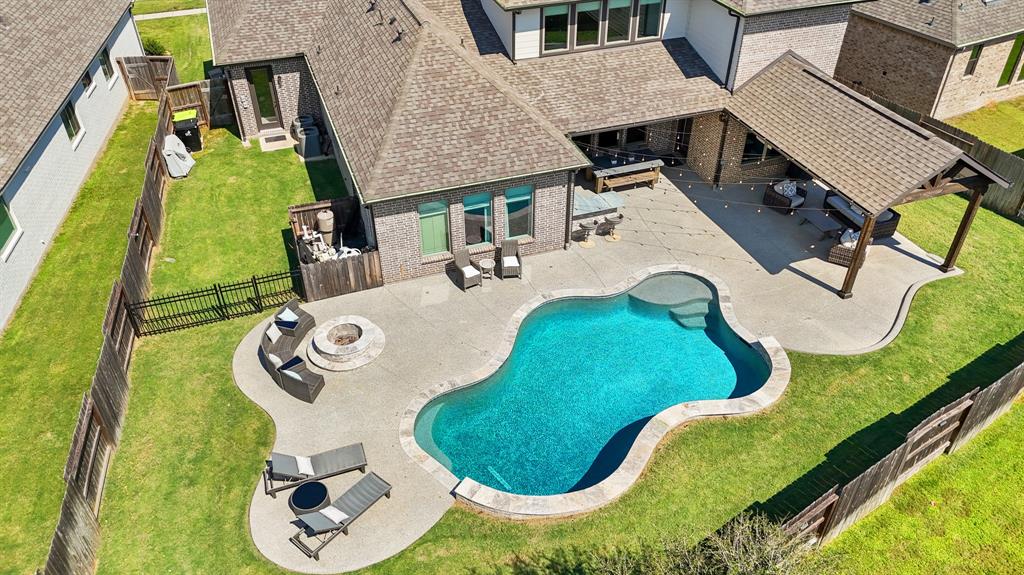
x: 70, y: 121
x: 108, y: 69
x: 973, y: 62
x: 619, y: 16
x: 433, y: 227
x: 477, y: 210
x: 635, y: 136
x: 1012, y: 60
x: 649, y: 20
x: 86, y: 80
x: 588, y: 24
x: 556, y: 28
x: 519, y: 207
x: 7, y: 227
x: 753, y: 149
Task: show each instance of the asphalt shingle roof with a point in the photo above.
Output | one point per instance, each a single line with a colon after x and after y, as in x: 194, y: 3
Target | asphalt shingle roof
x: 250, y: 30
x: 746, y: 7
x: 866, y: 152
x: 42, y: 57
x: 956, y: 22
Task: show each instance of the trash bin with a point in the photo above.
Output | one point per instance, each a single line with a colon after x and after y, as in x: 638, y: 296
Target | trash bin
x: 325, y: 224
x: 309, y: 142
x: 186, y: 127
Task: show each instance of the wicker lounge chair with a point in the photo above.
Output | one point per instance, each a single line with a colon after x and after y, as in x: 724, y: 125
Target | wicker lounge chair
x: 326, y: 524
x: 299, y: 381
x: 511, y: 264
x: 467, y: 274
x: 774, y: 197
x: 294, y: 470
x: 291, y: 320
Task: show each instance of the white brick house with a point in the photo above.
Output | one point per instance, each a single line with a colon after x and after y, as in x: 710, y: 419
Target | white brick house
x: 62, y: 98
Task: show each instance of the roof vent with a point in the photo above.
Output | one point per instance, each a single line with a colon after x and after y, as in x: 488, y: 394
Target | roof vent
x: 373, y: 6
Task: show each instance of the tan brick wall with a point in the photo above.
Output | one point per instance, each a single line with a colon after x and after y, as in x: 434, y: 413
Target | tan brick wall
x: 901, y: 67
x: 398, y: 232
x: 705, y: 140
x: 965, y: 93
x: 296, y: 93
x: 661, y: 137
x: 815, y: 34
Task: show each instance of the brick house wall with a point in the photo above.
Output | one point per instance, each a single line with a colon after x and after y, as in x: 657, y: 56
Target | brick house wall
x: 296, y: 93
x: 815, y: 34
x: 703, y: 153
x: 396, y: 223
x: 661, y: 137
x: 898, y: 66
x: 962, y: 93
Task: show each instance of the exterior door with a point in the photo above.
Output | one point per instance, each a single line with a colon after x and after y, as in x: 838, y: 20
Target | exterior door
x: 264, y: 98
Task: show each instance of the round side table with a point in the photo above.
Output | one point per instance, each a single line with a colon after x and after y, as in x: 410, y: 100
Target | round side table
x: 487, y: 268
x: 309, y: 497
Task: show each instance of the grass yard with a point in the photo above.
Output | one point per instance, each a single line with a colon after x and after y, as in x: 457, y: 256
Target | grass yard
x: 154, y: 6
x: 1001, y: 125
x: 193, y: 446
x: 49, y: 350
x: 187, y: 38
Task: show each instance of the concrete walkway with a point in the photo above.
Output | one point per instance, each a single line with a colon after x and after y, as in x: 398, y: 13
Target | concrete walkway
x: 174, y: 14
x: 780, y: 283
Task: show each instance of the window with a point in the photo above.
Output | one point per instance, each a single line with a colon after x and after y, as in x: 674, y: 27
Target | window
x: 86, y: 81
x: 636, y: 136
x: 477, y: 210
x: 1012, y: 60
x: 108, y: 69
x: 608, y: 140
x: 433, y: 227
x: 9, y: 231
x: 973, y: 62
x: 519, y: 207
x: 649, y: 19
x: 755, y: 150
x: 70, y: 120
x: 588, y: 24
x: 619, y: 17
x: 556, y: 28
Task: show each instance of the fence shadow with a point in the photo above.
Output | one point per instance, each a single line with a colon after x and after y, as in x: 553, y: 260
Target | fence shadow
x: 863, y: 449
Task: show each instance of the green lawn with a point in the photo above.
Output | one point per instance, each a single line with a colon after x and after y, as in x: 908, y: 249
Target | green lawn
x: 193, y: 447
x: 187, y: 38
x: 49, y: 350
x: 1001, y: 125
x: 154, y: 6
x: 962, y: 514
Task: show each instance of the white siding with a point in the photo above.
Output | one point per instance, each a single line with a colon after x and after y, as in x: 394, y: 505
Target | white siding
x: 43, y: 189
x: 710, y: 32
x: 501, y: 21
x: 527, y: 34
x: 677, y: 14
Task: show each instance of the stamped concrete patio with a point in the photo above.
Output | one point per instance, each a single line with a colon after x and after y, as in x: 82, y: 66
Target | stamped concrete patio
x: 781, y: 286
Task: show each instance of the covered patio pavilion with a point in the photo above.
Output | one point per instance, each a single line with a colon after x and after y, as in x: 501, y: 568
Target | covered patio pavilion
x: 862, y: 151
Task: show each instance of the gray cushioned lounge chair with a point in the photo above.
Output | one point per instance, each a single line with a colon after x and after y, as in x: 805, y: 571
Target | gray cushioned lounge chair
x: 288, y: 469
x: 511, y: 264
x: 467, y: 273
x: 321, y: 526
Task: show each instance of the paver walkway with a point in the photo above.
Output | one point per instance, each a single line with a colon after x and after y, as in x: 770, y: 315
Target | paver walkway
x: 174, y: 14
x: 780, y: 284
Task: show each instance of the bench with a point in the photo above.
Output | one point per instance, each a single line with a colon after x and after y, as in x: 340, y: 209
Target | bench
x: 649, y: 177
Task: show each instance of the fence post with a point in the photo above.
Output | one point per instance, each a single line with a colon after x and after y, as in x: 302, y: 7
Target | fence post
x: 221, y: 306
x: 136, y: 324
x: 256, y: 293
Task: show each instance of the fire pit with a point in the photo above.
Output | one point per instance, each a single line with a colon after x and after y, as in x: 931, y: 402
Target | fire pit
x: 345, y: 343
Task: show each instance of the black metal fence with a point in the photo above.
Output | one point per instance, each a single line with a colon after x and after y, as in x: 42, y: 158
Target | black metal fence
x: 218, y: 302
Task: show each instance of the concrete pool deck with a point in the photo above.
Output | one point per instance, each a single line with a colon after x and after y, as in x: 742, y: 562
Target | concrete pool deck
x: 774, y: 268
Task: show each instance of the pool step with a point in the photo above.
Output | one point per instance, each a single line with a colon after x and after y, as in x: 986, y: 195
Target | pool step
x: 692, y: 308
x: 693, y: 322
x: 670, y: 290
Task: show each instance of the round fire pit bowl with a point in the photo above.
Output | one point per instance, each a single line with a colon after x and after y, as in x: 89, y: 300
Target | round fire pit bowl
x: 344, y: 343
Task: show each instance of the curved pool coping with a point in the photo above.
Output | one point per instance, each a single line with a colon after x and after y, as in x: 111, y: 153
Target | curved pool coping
x: 521, y: 507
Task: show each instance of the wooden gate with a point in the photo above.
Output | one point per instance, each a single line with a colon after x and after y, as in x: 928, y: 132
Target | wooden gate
x: 147, y: 76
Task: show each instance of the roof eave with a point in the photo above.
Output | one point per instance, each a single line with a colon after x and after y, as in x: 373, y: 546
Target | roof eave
x: 484, y: 182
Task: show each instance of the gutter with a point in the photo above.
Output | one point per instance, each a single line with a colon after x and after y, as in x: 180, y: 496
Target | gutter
x: 732, y: 47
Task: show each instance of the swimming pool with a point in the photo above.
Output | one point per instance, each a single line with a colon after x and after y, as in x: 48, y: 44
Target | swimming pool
x: 583, y: 378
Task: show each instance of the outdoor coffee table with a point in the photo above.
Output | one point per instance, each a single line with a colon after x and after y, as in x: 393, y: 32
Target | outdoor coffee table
x: 826, y: 224
x: 487, y: 268
x: 309, y: 497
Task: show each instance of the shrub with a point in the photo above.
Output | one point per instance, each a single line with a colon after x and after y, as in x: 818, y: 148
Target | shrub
x: 153, y: 47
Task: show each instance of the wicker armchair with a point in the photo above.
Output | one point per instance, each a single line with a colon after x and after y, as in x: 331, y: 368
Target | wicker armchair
x: 467, y: 274
x: 775, y: 199
x: 841, y: 255
x: 511, y: 264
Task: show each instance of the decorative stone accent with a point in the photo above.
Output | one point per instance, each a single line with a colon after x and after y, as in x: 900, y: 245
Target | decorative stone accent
x: 345, y: 343
x: 516, y: 506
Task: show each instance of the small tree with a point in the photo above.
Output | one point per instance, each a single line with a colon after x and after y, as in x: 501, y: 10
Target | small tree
x: 153, y: 47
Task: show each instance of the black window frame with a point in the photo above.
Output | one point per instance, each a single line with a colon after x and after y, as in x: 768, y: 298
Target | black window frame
x: 633, y: 36
x: 72, y: 124
x: 766, y: 151
x: 972, y: 62
x: 87, y: 81
x: 107, y: 65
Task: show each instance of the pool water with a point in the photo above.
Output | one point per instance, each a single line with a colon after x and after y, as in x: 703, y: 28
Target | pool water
x: 583, y: 378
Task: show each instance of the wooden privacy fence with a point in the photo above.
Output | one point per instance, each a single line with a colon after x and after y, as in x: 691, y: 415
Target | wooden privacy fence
x: 944, y: 431
x: 147, y: 76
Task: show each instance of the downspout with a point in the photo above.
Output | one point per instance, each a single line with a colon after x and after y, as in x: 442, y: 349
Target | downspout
x: 570, y: 201
x: 942, y: 86
x: 732, y: 47
x: 724, y: 118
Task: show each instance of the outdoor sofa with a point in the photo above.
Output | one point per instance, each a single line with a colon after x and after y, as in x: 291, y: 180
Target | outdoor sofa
x: 294, y: 470
x: 467, y: 274
x: 775, y: 196
x: 326, y: 524
x: 840, y: 209
x: 277, y: 352
x: 511, y: 265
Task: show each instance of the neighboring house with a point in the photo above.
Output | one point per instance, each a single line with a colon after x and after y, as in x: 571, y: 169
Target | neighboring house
x: 938, y: 57
x: 445, y: 113
x: 62, y: 97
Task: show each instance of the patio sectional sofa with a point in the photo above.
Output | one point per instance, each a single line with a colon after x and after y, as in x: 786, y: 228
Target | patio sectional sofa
x: 842, y: 210
x: 277, y: 352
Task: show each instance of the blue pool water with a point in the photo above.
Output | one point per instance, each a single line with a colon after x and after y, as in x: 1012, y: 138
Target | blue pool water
x: 583, y: 378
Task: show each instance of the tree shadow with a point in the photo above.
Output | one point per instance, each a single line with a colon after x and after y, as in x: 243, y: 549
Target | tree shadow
x: 325, y: 179
x: 857, y: 453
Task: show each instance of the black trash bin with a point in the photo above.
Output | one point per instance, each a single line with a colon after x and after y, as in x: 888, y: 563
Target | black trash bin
x: 186, y: 127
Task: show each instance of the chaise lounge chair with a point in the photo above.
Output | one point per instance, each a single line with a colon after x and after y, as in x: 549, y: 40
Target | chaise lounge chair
x: 467, y: 274
x: 294, y: 470
x: 511, y: 265
x: 342, y: 512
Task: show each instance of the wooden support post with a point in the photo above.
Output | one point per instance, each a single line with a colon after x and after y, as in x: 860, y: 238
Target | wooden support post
x: 961, y: 232
x: 858, y: 257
